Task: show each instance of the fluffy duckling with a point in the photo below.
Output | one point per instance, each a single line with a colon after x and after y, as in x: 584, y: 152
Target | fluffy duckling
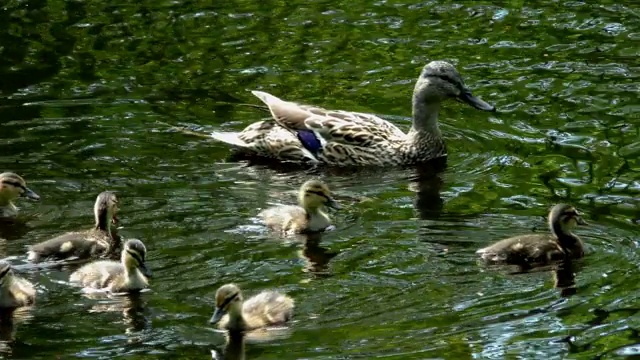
x: 541, y: 249
x: 308, y: 217
x: 14, y: 291
x: 129, y: 275
x: 13, y: 186
x: 268, y: 308
x: 100, y: 241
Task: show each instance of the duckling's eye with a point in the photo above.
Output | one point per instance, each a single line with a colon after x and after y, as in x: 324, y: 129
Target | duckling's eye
x: 14, y: 184
x: 319, y: 193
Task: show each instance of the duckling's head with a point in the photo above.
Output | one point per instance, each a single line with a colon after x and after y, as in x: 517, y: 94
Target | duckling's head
x: 314, y: 194
x: 439, y: 80
x: 106, y: 209
x: 13, y: 186
x: 566, y: 217
x: 133, y: 257
x: 5, y: 272
x: 228, y: 300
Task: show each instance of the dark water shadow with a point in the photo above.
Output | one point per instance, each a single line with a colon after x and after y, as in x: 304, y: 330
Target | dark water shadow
x: 15, y: 228
x: 234, y: 348
x: 9, y: 319
x: 132, y: 305
x: 315, y: 256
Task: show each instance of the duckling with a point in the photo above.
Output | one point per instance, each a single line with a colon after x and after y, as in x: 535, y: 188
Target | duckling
x: 100, y: 241
x: 541, y: 249
x: 268, y: 308
x: 308, y: 217
x: 13, y: 186
x: 14, y: 291
x: 129, y: 275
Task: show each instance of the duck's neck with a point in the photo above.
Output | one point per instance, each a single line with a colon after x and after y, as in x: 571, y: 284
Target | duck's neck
x: 6, y: 203
x: 236, y: 320
x: 103, y: 221
x: 568, y: 240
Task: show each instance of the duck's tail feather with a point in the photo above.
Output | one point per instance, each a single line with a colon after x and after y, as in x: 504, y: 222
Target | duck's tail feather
x: 230, y: 138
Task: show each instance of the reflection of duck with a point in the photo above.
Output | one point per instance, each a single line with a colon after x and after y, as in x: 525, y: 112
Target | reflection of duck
x: 268, y: 308
x: 317, y: 257
x: 564, y: 278
x: 306, y: 134
x: 130, y: 274
x: 308, y: 216
x: 541, y: 249
x: 427, y: 183
x: 10, y: 319
x: 97, y: 242
x: 13, y: 186
x: 132, y: 307
x: 234, y: 348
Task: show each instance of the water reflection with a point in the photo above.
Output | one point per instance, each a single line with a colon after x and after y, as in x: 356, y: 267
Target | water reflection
x: 132, y: 305
x: 564, y: 278
x: 234, y: 348
x: 9, y: 319
x: 315, y: 256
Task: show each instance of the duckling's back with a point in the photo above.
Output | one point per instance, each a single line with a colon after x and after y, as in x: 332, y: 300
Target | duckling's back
x: 98, y: 274
x: 285, y: 217
x: 19, y: 293
x: 268, y: 308
x: 81, y: 244
x: 524, y: 249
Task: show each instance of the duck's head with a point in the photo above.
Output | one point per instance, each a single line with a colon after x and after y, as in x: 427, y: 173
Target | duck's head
x: 133, y: 257
x: 566, y: 217
x: 106, y: 209
x: 314, y: 194
x: 13, y: 186
x: 228, y: 300
x: 5, y: 272
x: 439, y: 80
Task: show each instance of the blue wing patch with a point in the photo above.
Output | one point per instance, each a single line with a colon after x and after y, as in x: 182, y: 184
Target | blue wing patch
x: 309, y: 140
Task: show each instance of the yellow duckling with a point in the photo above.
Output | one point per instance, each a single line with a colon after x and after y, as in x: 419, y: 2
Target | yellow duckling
x: 541, y: 249
x: 14, y: 291
x: 268, y: 308
x: 13, y: 186
x: 129, y: 275
x: 308, y: 217
x: 100, y: 241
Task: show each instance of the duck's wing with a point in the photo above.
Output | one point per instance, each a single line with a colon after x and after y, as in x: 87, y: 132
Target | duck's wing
x: 347, y: 127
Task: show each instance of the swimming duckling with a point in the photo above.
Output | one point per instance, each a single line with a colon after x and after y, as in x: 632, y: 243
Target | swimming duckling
x: 13, y: 186
x: 541, y: 249
x: 308, y: 216
x: 100, y: 241
x: 268, y: 308
x: 130, y: 274
x: 14, y: 290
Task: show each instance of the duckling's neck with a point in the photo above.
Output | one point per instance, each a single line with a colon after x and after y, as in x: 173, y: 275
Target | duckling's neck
x: 567, y: 239
x: 236, y: 320
x: 103, y: 221
x: 6, y: 201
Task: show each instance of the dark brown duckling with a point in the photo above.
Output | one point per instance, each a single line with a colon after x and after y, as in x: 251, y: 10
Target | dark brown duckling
x: 541, y: 249
x: 98, y: 242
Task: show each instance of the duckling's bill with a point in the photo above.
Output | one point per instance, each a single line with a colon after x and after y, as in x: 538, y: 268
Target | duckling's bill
x: 332, y: 203
x: 217, y: 315
x: 30, y: 194
x: 145, y: 270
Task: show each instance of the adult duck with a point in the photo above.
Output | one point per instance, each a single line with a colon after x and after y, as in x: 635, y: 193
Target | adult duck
x: 312, y: 135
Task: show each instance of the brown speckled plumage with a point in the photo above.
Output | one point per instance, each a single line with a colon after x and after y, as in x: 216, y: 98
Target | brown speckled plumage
x: 352, y: 138
x: 14, y: 291
x: 100, y: 241
x: 268, y: 308
x: 541, y: 249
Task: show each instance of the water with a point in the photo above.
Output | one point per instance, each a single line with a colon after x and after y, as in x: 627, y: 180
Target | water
x: 86, y: 86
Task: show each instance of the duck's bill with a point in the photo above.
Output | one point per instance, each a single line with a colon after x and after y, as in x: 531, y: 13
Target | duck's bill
x: 581, y: 221
x: 475, y: 102
x: 30, y: 194
x: 332, y: 203
x: 217, y: 315
x: 145, y: 271
x: 115, y: 220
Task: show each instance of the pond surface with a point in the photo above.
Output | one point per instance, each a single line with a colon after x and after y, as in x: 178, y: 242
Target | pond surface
x: 86, y: 88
